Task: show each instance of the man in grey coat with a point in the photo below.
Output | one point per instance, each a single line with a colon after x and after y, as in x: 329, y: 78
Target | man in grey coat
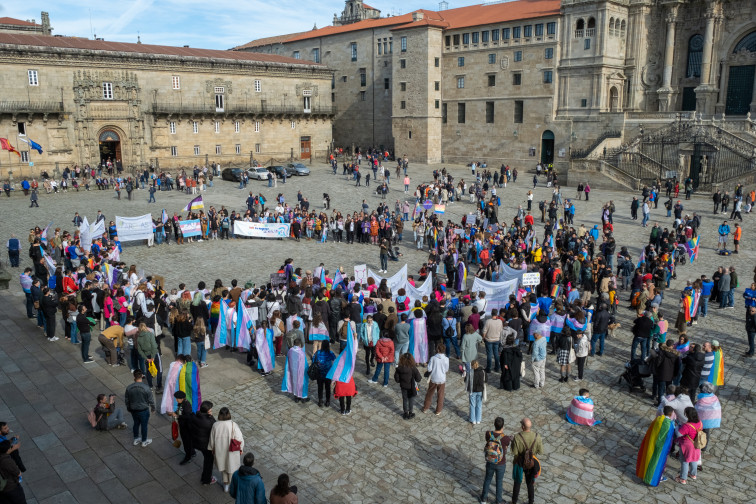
x: 139, y: 402
x: 724, y: 289
x: 402, y: 338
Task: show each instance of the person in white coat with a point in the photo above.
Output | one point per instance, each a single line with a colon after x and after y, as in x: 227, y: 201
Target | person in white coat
x: 224, y: 430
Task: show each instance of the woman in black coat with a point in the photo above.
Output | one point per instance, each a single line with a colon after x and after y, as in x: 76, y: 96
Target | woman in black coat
x: 434, y: 326
x: 693, y: 364
x: 511, y: 361
x: 202, y: 425
x: 407, y: 376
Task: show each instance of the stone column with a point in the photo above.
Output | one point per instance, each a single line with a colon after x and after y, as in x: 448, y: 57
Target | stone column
x: 666, y: 93
x: 706, y: 91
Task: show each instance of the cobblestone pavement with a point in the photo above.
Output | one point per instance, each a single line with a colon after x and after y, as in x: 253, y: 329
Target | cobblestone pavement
x: 373, y: 455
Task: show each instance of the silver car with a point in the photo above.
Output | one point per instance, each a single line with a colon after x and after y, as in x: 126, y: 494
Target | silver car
x: 299, y: 169
x: 258, y: 173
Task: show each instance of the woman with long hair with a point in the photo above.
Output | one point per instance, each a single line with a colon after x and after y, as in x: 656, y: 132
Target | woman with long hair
x: 323, y: 360
x: 282, y: 493
x: 408, y: 377
x: 224, y: 431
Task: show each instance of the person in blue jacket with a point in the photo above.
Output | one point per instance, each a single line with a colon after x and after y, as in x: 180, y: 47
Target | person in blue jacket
x: 724, y: 231
x: 706, y: 287
x: 247, y: 486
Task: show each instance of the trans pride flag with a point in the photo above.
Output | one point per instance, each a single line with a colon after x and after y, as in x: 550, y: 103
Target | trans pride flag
x: 225, y: 322
x: 418, y: 342
x: 243, y: 323
x: 652, y: 456
x: 544, y: 328
x: 266, y: 352
x: 343, y: 367
x: 295, y: 380
x: 580, y: 412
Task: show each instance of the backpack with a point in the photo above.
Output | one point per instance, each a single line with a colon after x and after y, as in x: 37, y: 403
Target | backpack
x: 699, y: 442
x: 92, y: 418
x: 116, y: 305
x: 494, y: 450
x: 449, y: 332
x: 526, y: 458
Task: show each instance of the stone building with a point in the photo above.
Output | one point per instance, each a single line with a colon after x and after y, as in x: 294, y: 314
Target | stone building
x: 11, y: 25
x: 535, y: 80
x: 85, y: 101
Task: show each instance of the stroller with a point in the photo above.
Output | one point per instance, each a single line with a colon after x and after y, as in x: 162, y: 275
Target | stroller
x: 681, y: 254
x: 635, y: 371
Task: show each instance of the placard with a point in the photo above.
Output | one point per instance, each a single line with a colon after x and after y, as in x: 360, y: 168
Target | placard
x: 262, y: 230
x: 134, y: 228
x: 190, y: 228
x: 360, y: 273
x: 531, y: 278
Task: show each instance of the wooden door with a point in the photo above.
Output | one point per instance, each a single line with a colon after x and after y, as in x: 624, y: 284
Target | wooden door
x: 304, y: 148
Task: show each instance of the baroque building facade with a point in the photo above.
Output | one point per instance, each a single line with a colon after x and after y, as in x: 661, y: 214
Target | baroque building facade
x: 88, y: 101
x: 531, y: 80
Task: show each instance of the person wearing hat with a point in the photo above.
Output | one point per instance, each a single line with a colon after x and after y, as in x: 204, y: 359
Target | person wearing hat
x: 183, y: 413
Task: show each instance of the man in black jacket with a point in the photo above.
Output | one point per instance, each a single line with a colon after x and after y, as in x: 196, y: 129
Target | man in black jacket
x: 49, y: 306
x: 601, y: 321
x: 202, y: 424
x: 84, y: 328
x: 185, y: 417
x: 750, y: 329
x: 642, y: 327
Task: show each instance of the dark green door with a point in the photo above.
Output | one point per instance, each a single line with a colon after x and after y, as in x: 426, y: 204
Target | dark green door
x: 689, y: 98
x: 740, y: 90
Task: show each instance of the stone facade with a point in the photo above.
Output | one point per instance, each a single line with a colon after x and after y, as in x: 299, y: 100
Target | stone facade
x: 171, y: 107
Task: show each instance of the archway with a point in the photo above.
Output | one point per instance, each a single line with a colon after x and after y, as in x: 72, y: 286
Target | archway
x: 547, y: 147
x: 613, y: 99
x: 110, y: 146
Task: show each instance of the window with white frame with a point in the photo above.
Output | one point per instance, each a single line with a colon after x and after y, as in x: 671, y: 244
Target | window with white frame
x: 257, y: 148
x: 174, y: 151
x: 296, y: 54
x: 258, y: 86
x: 176, y: 82
x: 460, y: 82
x: 33, y: 78
x: 238, y: 148
x: 107, y: 90
x: 196, y: 150
x: 218, y: 149
x: 217, y: 126
x: 172, y: 127
x: 25, y: 156
x: 219, y: 102
x: 195, y: 127
x: 293, y: 124
x: 21, y: 128
x: 257, y: 126
x: 237, y: 127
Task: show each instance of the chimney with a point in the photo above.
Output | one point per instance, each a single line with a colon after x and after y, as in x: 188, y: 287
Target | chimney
x: 417, y: 16
x: 46, y: 28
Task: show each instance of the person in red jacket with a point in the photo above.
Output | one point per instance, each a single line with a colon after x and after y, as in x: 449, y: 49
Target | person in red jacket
x: 384, y: 355
x: 344, y: 393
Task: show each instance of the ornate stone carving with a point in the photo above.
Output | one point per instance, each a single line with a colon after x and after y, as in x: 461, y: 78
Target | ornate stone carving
x: 313, y: 88
x: 650, y: 75
x: 210, y: 85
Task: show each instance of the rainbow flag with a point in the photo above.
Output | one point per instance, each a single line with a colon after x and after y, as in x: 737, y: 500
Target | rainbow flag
x: 690, y: 305
x: 556, y: 291
x: 266, y: 352
x: 692, y: 248
x: 439, y: 209
x: 652, y: 456
x: 418, y: 342
x: 295, y: 379
x: 195, y: 204
x: 342, y: 368
x: 580, y: 412
x: 716, y: 375
x: 189, y: 383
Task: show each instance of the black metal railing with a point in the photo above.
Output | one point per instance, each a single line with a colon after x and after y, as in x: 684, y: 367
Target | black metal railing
x: 584, y: 153
x: 242, y: 108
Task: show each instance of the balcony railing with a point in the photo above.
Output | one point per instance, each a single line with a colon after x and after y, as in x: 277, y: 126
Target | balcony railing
x: 579, y: 33
x: 236, y: 109
x: 590, y: 32
x: 25, y: 107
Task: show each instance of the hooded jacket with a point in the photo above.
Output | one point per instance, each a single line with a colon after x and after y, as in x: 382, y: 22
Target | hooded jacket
x: 247, y: 486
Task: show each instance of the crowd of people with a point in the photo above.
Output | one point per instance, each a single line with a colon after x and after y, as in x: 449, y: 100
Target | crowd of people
x: 571, y: 311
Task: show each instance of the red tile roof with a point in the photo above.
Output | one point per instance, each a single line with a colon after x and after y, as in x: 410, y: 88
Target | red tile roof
x: 17, y: 22
x: 144, y: 49
x: 278, y: 39
x: 368, y: 7
x: 461, y: 17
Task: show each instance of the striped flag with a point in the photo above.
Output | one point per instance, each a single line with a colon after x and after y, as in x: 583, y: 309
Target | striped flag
x: 195, y: 204
x: 642, y: 257
x: 164, y: 217
x: 114, y: 255
x: 343, y: 367
x: 322, y: 278
x: 266, y: 352
x: 43, y: 236
x: 243, y: 323
x: 692, y: 248
x: 439, y: 209
x: 338, y: 278
x: 5, y: 144
x: 580, y: 411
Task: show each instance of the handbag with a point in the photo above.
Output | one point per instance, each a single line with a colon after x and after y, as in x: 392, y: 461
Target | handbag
x: 234, y: 445
x: 152, y: 369
x: 207, y: 341
x: 175, y: 434
x: 313, y: 372
x: 572, y: 356
x: 522, y: 369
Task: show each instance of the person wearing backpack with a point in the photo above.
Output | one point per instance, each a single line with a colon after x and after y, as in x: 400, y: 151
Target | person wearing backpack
x: 525, y: 446
x: 495, y: 453
x: 11, y: 490
x: 691, y: 439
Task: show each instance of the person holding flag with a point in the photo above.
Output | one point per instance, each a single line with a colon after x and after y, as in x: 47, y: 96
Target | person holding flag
x: 342, y: 370
x: 195, y: 204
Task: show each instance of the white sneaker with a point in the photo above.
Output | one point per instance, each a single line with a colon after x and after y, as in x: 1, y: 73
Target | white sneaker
x: 225, y: 488
x: 54, y: 338
x: 137, y: 441
x: 371, y: 381
x: 145, y: 443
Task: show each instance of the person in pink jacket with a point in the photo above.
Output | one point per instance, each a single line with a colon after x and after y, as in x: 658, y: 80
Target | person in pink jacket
x: 689, y: 454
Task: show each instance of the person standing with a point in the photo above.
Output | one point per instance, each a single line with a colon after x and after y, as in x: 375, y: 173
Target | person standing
x: 139, y: 402
x: 723, y: 231
x: 491, y: 335
x: 202, y: 425
x: 469, y: 348
x: 538, y: 358
x: 226, y: 442
x: 689, y: 454
x: 246, y: 485
x: 33, y: 198
x: 13, y: 492
x: 525, y: 445
x: 408, y: 377
x: 323, y: 360
x: 438, y: 366
x: 14, y: 247
x: 183, y: 415
x: 496, y: 459
x: 475, y: 384
x: 384, y: 355
x: 283, y: 493
x: 750, y: 328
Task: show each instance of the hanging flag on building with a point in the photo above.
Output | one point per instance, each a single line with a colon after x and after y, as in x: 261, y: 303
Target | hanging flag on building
x: 32, y: 144
x: 5, y: 144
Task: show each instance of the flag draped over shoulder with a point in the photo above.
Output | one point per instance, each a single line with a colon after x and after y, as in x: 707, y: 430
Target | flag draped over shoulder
x: 221, y: 331
x: 195, y: 204
x: 295, y: 379
x: 243, y: 323
x: 716, y: 376
x: 266, y: 352
x: 188, y: 382
x: 544, y: 328
x: 580, y: 412
x: 418, y: 342
x: 652, y: 455
x: 343, y: 367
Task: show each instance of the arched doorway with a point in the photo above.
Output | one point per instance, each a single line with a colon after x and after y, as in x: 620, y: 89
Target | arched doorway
x: 741, y: 79
x: 547, y: 147
x: 613, y: 99
x: 110, y: 146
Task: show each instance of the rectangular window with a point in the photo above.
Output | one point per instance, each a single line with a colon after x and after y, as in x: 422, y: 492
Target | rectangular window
x: 391, y: 46
x: 257, y: 148
x: 33, y: 80
x: 380, y: 48
x: 465, y: 39
x: 195, y: 127
x: 258, y: 86
x: 518, y: 111
x: 489, y: 112
x: 437, y: 62
x: 218, y: 149
x: 447, y: 39
x: 548, y: 53
x: 402, y: 63
x: 438, y: 103
x: 296, y: 54
x: 443, y: 113
x: 403, y: 86
x: 516, y: 32
x: 492, y: 80
x: 257, y: 126
x: 293, y: 124
x: 220, y: 90
x: 316, y: 55
x: 219, y: 103
x: 353, y: 50
x: 495, y: 35
x: 237, y: 126
x: 217, y: 126
x: 174, y: 151
x: 238, y: 148
x: 196, y: 150
x: 403, y: 105
x: 176, y: 82
x: 547, y: 76
x: 505, y: 33
x: 475, y: 37
x: 363, y: 77
x: 385, y: 47
x: 25, y: 156
x: 437, y: 86
x: 107, y: 90
x: 584, y: 102
x: 516, y: 79
x: 518, y: 56
x: 404, y: 44
x: 461, y: 61
x: 362, y: 96
x: 587, y: 44
x: 460, y: 82
x: 21, y: 129
x: 456, y: 39
x: 484, y: 36
x: 550, y: 28
x: 491, y: 59
x: 172, y: 127
x: 461, y: 113
x: 539, y: 30
x: 386, y: 83
x: 528, y: 31
x: 307, y: 102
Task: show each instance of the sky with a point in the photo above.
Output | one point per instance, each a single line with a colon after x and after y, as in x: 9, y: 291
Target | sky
x: 219, y: 24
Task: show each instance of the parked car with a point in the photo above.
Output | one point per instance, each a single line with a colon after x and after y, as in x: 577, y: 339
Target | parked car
x: 278, y: 171
x: 299, y: 169
x: 232, y: 174
x: 258, y: 173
